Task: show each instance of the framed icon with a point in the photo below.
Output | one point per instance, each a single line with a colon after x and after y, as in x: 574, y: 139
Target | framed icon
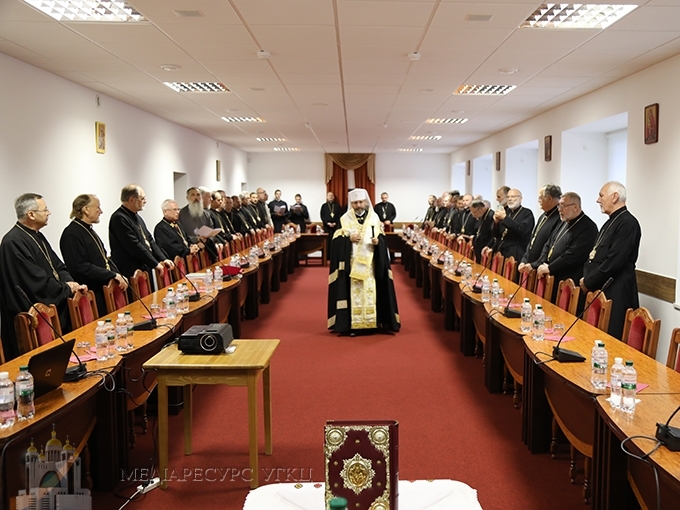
x: 498, y: 161
x: 547, y: 147
x: 100, y: 137
x: 218, y: 170
x: 651, y: 123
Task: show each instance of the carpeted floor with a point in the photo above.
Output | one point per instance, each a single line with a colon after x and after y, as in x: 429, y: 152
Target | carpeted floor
x: 450, y: 426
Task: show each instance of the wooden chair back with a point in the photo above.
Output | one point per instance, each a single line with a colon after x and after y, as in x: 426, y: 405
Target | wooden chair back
x: 544, y: 287
x: 114, y: 297
x: 641, y: 331
x: 164, y: 277
x: 203, y: 259
x: 599, y: 312
x: 497, y: 263
x: 32, y: 329
x: 510, y: 269
x: 486, y: 258
x: 140, y: 283
x: 193, y: 264
x: 567, y: 296
x: 528, y: 281
x: 82, y: 309
x: 673, y: 361
x: 180, y: 268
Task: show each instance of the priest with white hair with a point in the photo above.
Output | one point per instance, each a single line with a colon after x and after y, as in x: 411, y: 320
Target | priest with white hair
x: 361, y: 295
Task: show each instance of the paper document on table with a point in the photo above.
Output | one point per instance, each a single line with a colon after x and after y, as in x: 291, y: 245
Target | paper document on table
x: 206, y: 231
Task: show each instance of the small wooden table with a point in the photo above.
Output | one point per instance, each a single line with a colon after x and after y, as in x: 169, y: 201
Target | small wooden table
x: 242, y: 368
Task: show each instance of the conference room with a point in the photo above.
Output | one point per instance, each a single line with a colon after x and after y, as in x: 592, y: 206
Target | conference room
x: 89, y: 107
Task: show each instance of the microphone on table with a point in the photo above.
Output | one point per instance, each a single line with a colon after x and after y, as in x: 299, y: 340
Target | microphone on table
x: 565, y: 355
x: 73, y: 373
x: 508, y: 312
x: 478, y: 289
x: 147, y: 325
x: 192, y: 297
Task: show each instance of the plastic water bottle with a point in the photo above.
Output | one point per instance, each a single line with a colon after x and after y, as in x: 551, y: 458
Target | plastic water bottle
x: 539, y: 324
x: 486, y: 289
x: 599, y: 359
x: 526, y: 324
x: 185, y: 298
x: 121, y: 333
x: 100, y: 341
x: 495, y: 294
x: 6, y: 401
x: 615, y: 382
x: 110, y: 339
x: 628, y: 387
x: 23, y: 388
x: 170, y: 304
x: 218, y: 277
x: 208, y: 281
x: 130, y: 330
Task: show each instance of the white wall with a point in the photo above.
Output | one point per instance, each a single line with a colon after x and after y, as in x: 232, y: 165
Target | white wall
x: 458, y: 178
x: 521, y: 170
x: 617, y: 153
x: 481, y: 177
x: 47, y: 146
x: 651, y: 175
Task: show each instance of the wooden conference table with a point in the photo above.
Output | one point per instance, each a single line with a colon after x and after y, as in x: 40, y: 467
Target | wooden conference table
x: 96, y: 420
x: 562, y: 390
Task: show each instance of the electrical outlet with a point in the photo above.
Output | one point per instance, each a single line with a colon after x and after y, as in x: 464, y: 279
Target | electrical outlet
x: 149, y: 486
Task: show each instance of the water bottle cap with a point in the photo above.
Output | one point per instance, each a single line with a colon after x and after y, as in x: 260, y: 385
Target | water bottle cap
x: 23, y: 368
x: 629, y: 363
x: 618, y: 360
x: 526, y: 300
x: 600, y: 343
x: 127, y: 312
x: 539, y: 307
x: 4, y: 375
x: 108, y: 320
x: 121, y: 315
x: 100, y: 323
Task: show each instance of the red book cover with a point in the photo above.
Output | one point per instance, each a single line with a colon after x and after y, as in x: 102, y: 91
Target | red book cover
x: 362, y: 463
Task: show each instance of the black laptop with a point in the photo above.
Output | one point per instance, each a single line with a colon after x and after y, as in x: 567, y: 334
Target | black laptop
x: 48, y: 367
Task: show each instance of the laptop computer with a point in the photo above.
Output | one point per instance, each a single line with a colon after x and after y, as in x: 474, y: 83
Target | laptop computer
x: 48, y: 367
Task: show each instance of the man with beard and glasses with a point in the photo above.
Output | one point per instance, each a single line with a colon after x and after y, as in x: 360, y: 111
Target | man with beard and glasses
x: 192, y: 217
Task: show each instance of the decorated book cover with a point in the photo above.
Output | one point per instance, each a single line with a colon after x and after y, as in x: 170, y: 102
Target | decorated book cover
x: 362, y: 463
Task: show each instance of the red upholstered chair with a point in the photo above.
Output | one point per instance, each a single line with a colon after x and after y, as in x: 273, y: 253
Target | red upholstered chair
x: 544, y: 287
x: 312, y: 229
x: 673, y: 361
x: 599, y: 312
x: 114, y: 297
x: 32, y: 329
x: 226, y: 251
x: 567, y: 296
x: 528, y: 281
x: 164, y: 277
x: 641, y: 331
x: 510, y: 269
x: 193, y: 264
x: 203, y: 258
x: 486, y: 258
x: 180, y: 268
x: 220, y: 251
x: 83, y: 309
x: 247, y: 241
x: 497, y: 263
x: 140, y: 283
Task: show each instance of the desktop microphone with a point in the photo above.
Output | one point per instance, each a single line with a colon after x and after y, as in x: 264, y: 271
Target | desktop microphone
x: 478, y: 289
x: 565, y: 355
x: 73, y: 373
x: 147, y: 325
x: 192, y: 297
x: 508, y: 312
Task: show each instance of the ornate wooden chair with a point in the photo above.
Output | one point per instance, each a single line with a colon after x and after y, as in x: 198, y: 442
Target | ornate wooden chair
x: 486, y: 258
x: 497, y: 263
x: 528, y: 281
x: 83, y: 309
x: 114, y: 297
x: 164, y: 277
x: 180, y: 268
x: 544, y: 287
x: 203, y: 259
x: 567, y: 296
x: 32, y: 329
x: 193, y: 264
x: 140, y: 284
x: 641, y: 331
x: 599, y: 312
x: 510, y: 269
x: 673, y: 361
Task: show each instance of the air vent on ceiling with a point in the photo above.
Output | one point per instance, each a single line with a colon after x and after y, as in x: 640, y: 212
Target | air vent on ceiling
x: 196, y: 86
x: 478, y: 17
x: 446, y: 121
x: 576, y: 15
x: 484, y: 90
x: 188, y: 14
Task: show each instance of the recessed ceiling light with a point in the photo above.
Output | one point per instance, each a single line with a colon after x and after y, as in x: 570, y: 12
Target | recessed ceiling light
x: 413, y: 57
x: 576, y: 15
x: 425, y: 137
x: 188, y: 14
x: 446, y: 121
x: 242, y: 119
x: 320, y: 104
x: 196, y: 86
x: 263, y: 54
x: 269, y: 139
x: 484, y: 90
x: 478, y: 17
x: 508, y: 70
x: 170, y: 67
x: 411, y: 150
x: 109, y: 11
x: 286, y: 149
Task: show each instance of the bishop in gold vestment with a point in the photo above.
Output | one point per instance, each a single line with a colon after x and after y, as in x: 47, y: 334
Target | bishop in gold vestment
x: 360, y: 287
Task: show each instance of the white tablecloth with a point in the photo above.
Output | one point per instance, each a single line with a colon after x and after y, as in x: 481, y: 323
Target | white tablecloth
x: 416, y: 495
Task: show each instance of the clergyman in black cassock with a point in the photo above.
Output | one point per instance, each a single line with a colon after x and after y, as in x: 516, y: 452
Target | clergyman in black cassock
x: 84, y: 252
x: 484, y: 234
x: 330, y: 214
x: 614, y: 255
x: 386, y: 210
x: 548, y: 198
x: 170, y: 235
x: 568, y: 247
x: 28, y: 261
x: 299, y: 214
x: 513, y: 227
x: 278, y: 209
x: 361, y: 292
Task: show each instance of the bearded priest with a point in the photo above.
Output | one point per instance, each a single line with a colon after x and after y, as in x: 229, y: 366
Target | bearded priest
x: 361, y: 295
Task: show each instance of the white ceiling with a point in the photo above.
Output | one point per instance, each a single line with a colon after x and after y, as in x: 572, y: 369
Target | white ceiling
x: 339, y: 78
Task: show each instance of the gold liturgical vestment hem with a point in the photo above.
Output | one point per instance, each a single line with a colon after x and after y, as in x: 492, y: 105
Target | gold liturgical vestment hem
x: 362, y: 282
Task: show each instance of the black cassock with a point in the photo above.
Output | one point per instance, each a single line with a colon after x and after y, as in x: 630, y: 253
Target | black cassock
x: 339, y: 289
x: 544, y: 227
x: 514, y: 232
x: 386, y: 211
x: 567, y: 249
x: 24, y: 263
x: 615, y: 255
x: 278, y: 220
x: 85, y: 257
x: 468, y: 223
x: 330, y: 213
x: 172, y: 239
x: 484, y: 235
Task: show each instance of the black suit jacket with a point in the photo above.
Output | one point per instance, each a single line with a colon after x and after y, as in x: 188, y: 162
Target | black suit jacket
x: 484, y: 235
x: 514, y: 232
x: 547, y: 222
x: 132, y: 245
x: 385, y: 211
x: 170, y: 240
